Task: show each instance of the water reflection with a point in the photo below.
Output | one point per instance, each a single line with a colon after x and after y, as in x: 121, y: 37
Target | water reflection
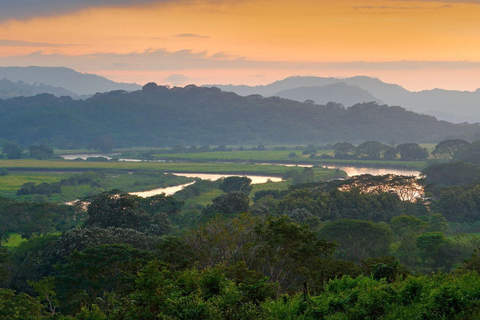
x: 168, y: 191
x: 356, y: 171
x: 213, y: 177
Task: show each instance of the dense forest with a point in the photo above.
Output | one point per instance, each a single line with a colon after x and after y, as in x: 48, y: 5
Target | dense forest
x: 366, y: 247
x: 161, y: 116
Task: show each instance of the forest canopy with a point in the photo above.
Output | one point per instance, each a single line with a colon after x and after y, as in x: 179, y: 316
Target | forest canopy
x: 160, y: 116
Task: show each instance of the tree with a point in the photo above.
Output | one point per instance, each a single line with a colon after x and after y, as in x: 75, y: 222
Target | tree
x: 97, y: 270
x: 404, y: 225
x: 407, y: 229
x: 119, y: 210
x: 412, y: 151
x: 358, y: 239
x: 431, y: 246
x: 40, y: 152
x: 228, y: 204
x: 236, y: 184
x: 371, y: 150
x: 12, y: 150
x: 344, y: 150
x: 19, y: 306
x: 103, y: 143
x: 450, y: 148
x: 287, y: 250
x: 453, y: 173
x: 471, y: 154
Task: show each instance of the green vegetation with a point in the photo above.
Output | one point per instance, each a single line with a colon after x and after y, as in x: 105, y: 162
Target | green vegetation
x: 366, y: 247
x: 282, y: 156
x: 19, y: 184
x: 13, y: 240
x: 222, y: 168
x: 199, y: 115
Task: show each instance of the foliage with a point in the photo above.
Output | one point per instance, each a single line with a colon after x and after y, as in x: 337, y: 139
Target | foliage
x: 118, y: 210
x: 412, y: 151
x: 40, y: 152
x: 450, y: 148
x: 228, y: 204
x: 12, y: 150
x: 357, y: 239
x: 207, y: 116
x: 236, y: 184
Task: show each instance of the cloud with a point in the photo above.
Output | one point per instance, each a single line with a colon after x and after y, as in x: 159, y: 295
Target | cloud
x: 396, y: 9
x: 223, y: 55
x: 26, y: 9
x: 446, y: 1
x: 20, y: 43
x: 189, y: 35
x: 176, y: 62
x: 177, y: 79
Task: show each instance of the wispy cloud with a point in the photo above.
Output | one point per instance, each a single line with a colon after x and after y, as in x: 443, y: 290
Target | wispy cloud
x: 189, y: 35
x: 446, y: 1
x: 20, y: 43
x: 177, y: 79
x: 398, y: 9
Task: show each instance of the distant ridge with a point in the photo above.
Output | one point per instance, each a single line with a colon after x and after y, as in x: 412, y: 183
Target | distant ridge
x: 161, y: 116
x: 10, y: 89
x: 450, y: 105
x: 69, y: 79
x: 337, y: 92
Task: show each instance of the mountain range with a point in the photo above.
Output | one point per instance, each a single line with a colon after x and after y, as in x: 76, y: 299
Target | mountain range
x: 57, y: 81
x: 449, y: 105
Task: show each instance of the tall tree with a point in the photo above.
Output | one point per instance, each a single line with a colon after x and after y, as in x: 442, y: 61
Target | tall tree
x: 449, y: 148
x: 12, y: 150
x: 358, y: 239
x: 118, y: 210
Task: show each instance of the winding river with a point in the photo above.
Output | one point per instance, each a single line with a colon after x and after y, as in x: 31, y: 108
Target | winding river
x: 350, y: 170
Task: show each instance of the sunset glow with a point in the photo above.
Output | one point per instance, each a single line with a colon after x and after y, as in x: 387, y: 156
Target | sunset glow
x: 418, y: 44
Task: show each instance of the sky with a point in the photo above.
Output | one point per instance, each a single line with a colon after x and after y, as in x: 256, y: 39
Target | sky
x: 419, y: 44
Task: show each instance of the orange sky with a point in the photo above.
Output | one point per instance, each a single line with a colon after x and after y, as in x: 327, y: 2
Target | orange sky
x: 418, y: 44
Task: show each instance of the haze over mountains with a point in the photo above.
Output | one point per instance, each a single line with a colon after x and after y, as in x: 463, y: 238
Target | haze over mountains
x: 449, y: 105
x: 57, y: 81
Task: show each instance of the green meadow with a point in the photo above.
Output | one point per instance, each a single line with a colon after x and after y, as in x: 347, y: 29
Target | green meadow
x: 284, y: 156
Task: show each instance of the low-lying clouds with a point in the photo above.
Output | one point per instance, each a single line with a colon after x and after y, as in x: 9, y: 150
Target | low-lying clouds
x: 188, y: 59
x: 189, y: 35
x: 20, y: 43
x: 187, y: 66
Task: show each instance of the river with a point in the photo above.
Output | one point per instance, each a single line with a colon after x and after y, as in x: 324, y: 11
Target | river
x: 350, y: 170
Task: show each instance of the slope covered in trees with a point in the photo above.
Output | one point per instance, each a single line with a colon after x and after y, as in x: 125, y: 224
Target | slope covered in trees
x: 450, y: 105
x: 76, y: 82
x: 157, y: 116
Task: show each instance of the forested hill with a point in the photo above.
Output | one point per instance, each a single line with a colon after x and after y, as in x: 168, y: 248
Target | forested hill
x: 68, y: 79
x: 157, y: 115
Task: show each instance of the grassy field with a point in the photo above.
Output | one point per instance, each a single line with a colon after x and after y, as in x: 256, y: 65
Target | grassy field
x: 223, y: 168
x: 138, y: 181
x: 9, y: 184
x: 280, y: 156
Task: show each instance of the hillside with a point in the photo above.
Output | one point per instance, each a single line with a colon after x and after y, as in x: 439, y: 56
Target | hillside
x: 69, y: 79
x: 9, y: 89
x: 449, y: 105
x: 336, y: 92
x: 157, y: 116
